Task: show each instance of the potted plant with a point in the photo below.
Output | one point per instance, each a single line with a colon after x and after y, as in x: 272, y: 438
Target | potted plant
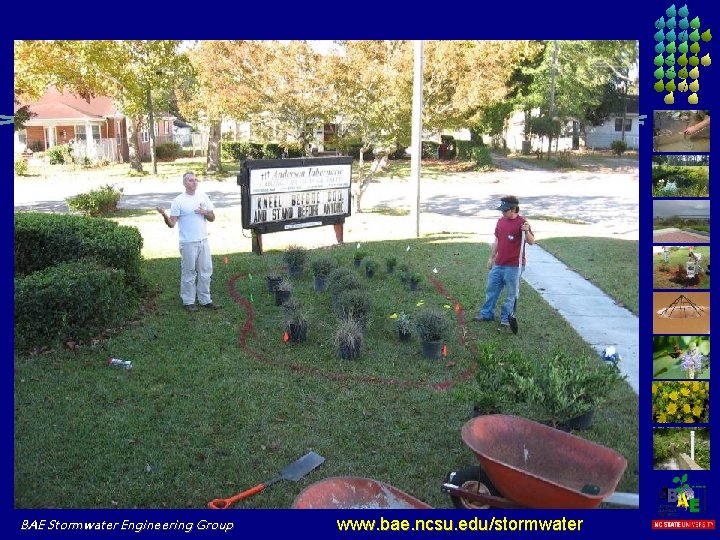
x: 295, y: 256
x: 283, y: 291
x: 321, y: 268
x: 273, y: 278
x: 342, y: 279
x: 403, y: 326
x: 348, y: 339
x: 414, y: 279
x: 390, y: 264
x: 564, y: 389
x: 358, y: 257
x: 433, y: 328
x: 296, y: 320
x: 354, y: 304
x: 370, y: 267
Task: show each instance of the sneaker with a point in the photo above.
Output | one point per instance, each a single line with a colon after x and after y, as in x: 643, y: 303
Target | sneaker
x: 190, y: 307
x: 480, y: 318
x: 505, y: 323
x: 210, y: 306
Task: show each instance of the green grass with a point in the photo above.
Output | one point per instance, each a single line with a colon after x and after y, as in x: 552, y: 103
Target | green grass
x: 205, y: 414
x: 663, y: 438
x: 610, y: 264
x: 665, y: 275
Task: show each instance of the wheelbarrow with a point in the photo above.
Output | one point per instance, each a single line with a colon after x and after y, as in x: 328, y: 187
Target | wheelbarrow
x: 523, y: 464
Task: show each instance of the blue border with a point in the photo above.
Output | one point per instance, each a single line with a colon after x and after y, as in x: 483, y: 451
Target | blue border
x: 556, y: 20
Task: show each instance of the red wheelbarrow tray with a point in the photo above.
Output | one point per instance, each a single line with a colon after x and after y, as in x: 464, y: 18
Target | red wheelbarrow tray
x: 537, y: 466
x: 355, y: 492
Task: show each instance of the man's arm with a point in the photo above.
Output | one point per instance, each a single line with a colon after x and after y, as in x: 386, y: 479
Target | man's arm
x: 493, y: 254
x: 529, y: 236
x: 170, y: 221
x: 209, y: 215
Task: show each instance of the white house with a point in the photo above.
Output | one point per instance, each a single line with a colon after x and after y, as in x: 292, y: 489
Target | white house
x: 514, y: 135
x: 602, y: 136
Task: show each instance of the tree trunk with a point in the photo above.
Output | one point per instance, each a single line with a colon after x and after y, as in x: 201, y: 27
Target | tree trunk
x: 213, y: 152
x: 549, y: 146
x: 133, y: 149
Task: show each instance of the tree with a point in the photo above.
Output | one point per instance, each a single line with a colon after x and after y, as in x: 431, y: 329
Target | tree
x: 127, y: 71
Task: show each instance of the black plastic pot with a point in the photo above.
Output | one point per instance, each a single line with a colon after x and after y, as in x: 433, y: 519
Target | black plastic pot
x: 431, y: 349
x: 583, y: 421
x: 319, y: 284
x: 404, y: 336
x: 295, y: 271
x: 272, y: 284
x: 281, y: 297
x: 297, y: 332
x: 348, y: 352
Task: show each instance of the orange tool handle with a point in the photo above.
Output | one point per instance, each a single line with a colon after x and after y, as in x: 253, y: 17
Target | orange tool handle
x: 222, y: 504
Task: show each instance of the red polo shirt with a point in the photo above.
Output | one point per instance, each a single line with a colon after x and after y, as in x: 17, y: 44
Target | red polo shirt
x: 508, y: 234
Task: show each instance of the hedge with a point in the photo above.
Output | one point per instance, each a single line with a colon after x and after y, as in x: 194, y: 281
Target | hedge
x: 43, y: 240
x: 235, y: 151
x: 71, y: 300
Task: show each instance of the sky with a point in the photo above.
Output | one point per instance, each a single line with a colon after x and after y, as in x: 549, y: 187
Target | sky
x: 681, y: 207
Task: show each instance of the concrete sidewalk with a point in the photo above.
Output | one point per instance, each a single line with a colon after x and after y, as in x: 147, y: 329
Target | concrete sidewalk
x: 593, y: 315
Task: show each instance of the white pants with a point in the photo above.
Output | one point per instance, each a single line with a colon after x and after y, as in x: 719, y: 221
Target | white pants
x: 195, y: 272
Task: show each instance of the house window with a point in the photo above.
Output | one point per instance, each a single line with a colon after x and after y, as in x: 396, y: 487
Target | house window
x: 81, y: 134
x: 145, y: 135
x: 619, y: 124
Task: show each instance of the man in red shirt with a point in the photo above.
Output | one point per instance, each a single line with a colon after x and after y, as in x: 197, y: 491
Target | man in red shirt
x: 503, y: 263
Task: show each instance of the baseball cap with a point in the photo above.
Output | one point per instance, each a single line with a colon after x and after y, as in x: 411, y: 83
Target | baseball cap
x: 504, y: 205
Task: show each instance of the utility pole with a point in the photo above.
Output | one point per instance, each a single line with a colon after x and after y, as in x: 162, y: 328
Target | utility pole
x: 416, y: 144
x: 151, y: 129
x: 552, y: 92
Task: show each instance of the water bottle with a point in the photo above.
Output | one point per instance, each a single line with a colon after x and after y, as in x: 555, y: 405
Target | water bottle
x: 127, y: 364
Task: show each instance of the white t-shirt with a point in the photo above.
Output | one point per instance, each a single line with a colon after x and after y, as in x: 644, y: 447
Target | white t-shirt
x: 192, y: 227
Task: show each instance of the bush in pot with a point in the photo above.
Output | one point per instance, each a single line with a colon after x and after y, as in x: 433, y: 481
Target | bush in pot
x: 348, y: 338
x: 296, y: 320
x: 390, y: 264
x: 370, y: 267
x: 295, y: 257
x: 404, y: 327
x: 342, y: 279
x: 321, y: 268
x: 562, y: 388
x: 433, y: 328
x: 283, y: 292
x: 414, y: 279
x: 273, y: 279
x: 354, y: 304
x: 358, y: 257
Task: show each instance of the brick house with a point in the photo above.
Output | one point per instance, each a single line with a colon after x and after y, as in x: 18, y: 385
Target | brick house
x: 95, y: 128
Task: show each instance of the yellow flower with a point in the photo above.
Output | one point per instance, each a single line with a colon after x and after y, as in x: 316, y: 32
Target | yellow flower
x: 661, y: 418
x: 686, y: 408
x: 671, y: 408
x: 654, y: 388
x: 696, y: 386
x: 685, y: 391
x: 674, y: 395
x: 689, y: 420
x: 697, y: 411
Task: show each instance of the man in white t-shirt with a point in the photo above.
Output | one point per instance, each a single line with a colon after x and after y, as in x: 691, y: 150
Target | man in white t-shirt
x: 191, y: 211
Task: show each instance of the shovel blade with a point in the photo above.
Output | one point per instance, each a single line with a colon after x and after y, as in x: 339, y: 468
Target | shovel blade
x: 296, y: 470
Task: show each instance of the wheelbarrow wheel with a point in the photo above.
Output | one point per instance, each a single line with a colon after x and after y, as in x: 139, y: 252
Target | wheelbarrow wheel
x: 471, y: 479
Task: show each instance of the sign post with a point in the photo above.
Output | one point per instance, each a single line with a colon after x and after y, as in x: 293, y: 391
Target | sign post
x: 289, y: 194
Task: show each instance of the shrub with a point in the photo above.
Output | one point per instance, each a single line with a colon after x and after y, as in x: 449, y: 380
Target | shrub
x: 348, y: 338
x: 21, y: 167
x: 42, y: 240
x: 433, y: 324
x: 481, y: 157
x: 295, y: 256
x: 342, y: 279
x: 78, y: 300
x: 354, y: 304
x: 168, y: 151
x: 97, y: 202
x: 465, y: 149
x: 430, y: 149
x: 322, y: 266
x: 60, y: 155
x: 618, y: 147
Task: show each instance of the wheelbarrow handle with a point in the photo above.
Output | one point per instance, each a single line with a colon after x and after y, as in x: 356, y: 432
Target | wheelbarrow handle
x: 223, y: 504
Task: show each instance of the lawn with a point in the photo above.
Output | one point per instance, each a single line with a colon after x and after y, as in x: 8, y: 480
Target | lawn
x: 680, y: 180
x: 217, y: 402
x: 610, y: 264
x: 673, y: 273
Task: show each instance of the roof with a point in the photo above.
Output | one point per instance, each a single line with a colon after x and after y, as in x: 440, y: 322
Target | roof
x: 56, y: 106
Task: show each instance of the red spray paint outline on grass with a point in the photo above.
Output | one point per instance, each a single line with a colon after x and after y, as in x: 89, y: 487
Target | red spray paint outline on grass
x: 248, y: 329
